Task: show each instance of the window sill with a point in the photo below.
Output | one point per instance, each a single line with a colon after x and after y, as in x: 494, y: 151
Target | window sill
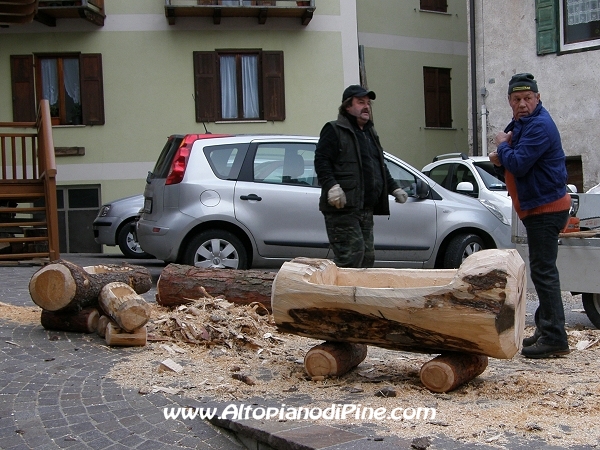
x: 440, y: 128
x: 67, y: 125
x: 435, y: 12
x: 241, y: 121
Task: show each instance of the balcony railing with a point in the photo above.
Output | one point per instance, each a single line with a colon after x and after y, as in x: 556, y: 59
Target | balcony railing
x: 90, y: 10
x: 261, y: 9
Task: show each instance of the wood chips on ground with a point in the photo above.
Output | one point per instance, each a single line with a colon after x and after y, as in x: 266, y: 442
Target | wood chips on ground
x: 233, y: 353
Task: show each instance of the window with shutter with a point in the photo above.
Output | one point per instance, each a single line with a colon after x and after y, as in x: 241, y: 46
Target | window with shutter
x: 567, y: 25
x: 71, y: 82
x: 239, y: 85
x: 438, y: 94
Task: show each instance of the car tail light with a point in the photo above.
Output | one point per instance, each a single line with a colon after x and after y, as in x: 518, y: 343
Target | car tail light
x: 180, y: 160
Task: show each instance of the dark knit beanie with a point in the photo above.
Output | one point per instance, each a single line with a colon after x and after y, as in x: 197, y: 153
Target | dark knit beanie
x: 522, y: 82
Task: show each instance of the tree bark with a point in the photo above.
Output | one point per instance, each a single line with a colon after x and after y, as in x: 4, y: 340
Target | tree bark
x: 334, y: 358
x: 116, y: 337
x: 84, y: 321
x: 63, y: 285
x: 180, y: 284
x: 478, y: 308
x: 123, y: 305
x: 446, y: 372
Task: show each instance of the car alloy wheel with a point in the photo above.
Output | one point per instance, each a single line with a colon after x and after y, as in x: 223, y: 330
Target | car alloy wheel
x: 217, y: 250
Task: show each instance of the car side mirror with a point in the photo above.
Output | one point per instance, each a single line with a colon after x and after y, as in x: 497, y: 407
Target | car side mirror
x: 421, y: 189
x: 465, y: 187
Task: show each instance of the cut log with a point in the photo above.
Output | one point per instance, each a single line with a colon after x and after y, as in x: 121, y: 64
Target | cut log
x: 478, y: 308
x: 84, y: 321
x: 334, y: 358
x: 180, y: 284
x: 116, y: 337
x: 63, y: 285
x: 123, y: 305
x: 102, y: 323
x: 446, y: 372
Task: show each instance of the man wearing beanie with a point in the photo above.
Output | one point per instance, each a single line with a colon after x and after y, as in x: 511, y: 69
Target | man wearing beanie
x: 354, y: 179
x: 530, y: 153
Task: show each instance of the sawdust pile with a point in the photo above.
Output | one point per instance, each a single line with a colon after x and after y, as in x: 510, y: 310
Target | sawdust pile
x: 234, y: 353
x: 20, y: 314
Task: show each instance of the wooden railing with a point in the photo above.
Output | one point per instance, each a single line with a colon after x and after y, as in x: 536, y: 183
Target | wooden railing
x: 28, y: 206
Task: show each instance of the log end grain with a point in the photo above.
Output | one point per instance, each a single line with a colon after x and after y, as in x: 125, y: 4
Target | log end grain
x: 52, y: 287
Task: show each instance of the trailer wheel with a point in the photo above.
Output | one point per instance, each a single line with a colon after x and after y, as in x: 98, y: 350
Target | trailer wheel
x: 591, y: 305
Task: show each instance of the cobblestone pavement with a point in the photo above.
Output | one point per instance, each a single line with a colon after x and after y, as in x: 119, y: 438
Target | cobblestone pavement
x: 54, y: 394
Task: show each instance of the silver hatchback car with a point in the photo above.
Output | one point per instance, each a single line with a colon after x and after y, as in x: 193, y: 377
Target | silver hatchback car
x: 251, y: 201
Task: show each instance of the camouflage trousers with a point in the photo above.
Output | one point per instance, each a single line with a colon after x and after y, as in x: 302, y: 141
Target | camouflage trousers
x: 351, y: 238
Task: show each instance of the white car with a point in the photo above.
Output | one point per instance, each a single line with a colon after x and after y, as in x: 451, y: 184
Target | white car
x: 471, y: 175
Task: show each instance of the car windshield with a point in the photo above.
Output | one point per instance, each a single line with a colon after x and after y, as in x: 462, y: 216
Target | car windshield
x: 489, y: 176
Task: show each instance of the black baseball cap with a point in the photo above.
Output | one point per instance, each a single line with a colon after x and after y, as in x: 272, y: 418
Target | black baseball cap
x: 356, y: 90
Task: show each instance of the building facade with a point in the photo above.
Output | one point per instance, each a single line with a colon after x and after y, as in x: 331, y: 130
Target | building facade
x: 556, y: 40
x: 124, y: 75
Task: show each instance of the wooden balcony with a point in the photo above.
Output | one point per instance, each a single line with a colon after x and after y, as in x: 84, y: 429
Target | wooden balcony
x: 90, y: 10
x: 28, y: 202
x: 261, y: 9
x: 14, y: 12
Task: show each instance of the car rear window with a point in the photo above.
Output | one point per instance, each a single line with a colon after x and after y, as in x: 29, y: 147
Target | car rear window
x: 163, y: 164
x: 226, y: 160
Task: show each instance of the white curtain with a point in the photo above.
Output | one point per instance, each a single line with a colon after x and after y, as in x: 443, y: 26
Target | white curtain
x: 71, y: 73
x: 228, y: 88
x: 250, y: 86
x: 50, y: 80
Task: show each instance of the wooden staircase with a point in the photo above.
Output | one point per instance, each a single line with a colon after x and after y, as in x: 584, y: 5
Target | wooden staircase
x: 28, y: 207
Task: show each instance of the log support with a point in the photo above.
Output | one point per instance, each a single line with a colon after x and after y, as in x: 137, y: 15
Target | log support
x: 448, y: 371
x: 334, y: 358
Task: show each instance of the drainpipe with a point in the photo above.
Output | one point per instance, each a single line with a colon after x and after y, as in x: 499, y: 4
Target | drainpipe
x: 474, y: 96
x: 483, y: 129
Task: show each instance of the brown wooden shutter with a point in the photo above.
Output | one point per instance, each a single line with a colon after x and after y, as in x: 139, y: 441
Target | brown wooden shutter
x: 23, y: 88
x: 92, y: 90
x: 206, y: 86
x: 431, y: 99
x: 273, y: 85
x: 445, y: 106
x: 546, y: 13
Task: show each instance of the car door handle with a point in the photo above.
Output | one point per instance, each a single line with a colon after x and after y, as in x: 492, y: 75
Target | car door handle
x: 251, y: 197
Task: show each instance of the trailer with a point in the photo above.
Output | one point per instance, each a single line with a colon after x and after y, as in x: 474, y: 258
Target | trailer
x: 578, y: 252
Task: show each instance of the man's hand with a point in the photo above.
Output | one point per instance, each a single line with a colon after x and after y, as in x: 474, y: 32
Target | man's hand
x: 336, y: 197
x: 494, y: 158
x: 503, y: 137
x: 400, y: 195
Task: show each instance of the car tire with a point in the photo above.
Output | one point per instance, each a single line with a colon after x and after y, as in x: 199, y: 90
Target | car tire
x: 591, y: 305
x: 128, y: 243
x: 216, y: 249
x: 460, y: 247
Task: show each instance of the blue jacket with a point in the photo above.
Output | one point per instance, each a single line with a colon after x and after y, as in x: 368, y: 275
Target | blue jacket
x: 536, y: 159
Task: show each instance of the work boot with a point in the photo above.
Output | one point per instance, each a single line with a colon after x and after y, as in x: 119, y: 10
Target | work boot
x: 531, y: 339
x: 539, y: 350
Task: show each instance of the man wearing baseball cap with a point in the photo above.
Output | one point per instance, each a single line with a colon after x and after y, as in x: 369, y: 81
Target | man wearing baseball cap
x: 530, y: 153
x: 355, y: 182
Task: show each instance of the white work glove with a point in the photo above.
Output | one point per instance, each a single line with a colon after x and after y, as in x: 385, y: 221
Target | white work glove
x: 400, y: 195
x: 336, y: 197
